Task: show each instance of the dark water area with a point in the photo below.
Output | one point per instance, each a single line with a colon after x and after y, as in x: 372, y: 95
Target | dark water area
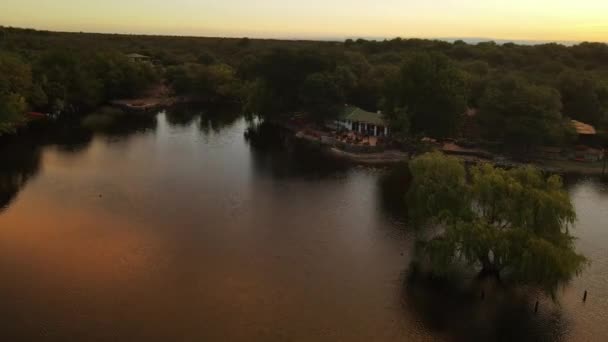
x: 196, y: 225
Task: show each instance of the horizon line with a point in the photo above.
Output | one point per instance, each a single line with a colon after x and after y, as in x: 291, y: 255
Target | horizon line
x: 337, y: 39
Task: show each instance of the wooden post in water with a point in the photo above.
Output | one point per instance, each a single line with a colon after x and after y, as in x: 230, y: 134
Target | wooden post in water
x: 585, y: 296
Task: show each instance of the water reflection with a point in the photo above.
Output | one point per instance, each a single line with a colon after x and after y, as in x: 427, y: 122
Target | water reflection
x: 275, y: 152
x: 480, y: 309
x: 392, y: 188
x: 68, y: 136
x: 21, y: 154
x: 128, y: 125
x: 20, y: 162
x: 215, y: 120
x: 182, y: 116
x: 206, y: 218
x: 208, y: 119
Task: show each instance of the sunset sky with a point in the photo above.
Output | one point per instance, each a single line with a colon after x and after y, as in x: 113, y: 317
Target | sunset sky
x: 323, y: 19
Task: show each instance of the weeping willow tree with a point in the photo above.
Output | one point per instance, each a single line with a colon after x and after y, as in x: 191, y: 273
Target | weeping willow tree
x: 503, y: 222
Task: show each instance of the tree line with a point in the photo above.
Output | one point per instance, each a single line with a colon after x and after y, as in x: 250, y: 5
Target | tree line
x: 522, y: 95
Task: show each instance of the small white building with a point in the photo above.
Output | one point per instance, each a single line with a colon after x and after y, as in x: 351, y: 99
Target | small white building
x: 355, y: 119
x: 135, y: 57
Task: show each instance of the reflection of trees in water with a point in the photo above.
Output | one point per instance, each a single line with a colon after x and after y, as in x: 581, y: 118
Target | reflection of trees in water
x: 20, y: 162
x: 182, y: 116
x: 67, y: 136
x: 596, y: 183
x: 455, y: 308
x: 276, y: 152
x: 209, y: 118
x: 216, y: 121
x: 129, y: 125
x: 20, y: 155
x: 392, y: 188
x: 570, y: 181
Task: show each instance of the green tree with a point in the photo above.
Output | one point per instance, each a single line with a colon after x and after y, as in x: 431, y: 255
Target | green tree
x: 214, y: 83
x: 206, y: 58
x: 503, y: 222
x: 261, y: 101
x: 282, y: 72
x: 68, y: 78
x: 433, y: 90
x: 220, y: 81
x: 15, y: 75
x: 602, y: 93
x: 438, y: 188
x: 38, y: 98
x: 15, y: 85
x: 321, y: 96
x: 399, y: 122
x: 520, y: 114
x: 121, y: 77
x: 12, y: 107
x: 581, y: 97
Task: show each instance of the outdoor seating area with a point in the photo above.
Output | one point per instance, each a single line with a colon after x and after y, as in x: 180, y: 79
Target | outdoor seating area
x: 354, y: 138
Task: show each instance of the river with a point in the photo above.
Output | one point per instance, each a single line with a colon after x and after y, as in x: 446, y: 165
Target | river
x: 181, y: 227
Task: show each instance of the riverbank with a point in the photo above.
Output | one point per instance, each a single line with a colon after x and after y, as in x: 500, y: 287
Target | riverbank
x: 13, y: 127
x: 574, y: 167
x: 382, y: 156
x: 145, y: 104
x: 156, y: 98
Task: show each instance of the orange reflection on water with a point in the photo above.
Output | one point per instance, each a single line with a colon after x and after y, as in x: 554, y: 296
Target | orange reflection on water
x: 68, y: 246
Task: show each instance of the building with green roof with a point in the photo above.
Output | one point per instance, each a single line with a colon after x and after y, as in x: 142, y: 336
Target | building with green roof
x: 355, y: 119
x: 135, y: 57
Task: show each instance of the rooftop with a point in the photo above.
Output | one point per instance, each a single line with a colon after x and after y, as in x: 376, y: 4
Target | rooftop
x: 583, y: 128
x: 356, y: 114
x: 136, y: 55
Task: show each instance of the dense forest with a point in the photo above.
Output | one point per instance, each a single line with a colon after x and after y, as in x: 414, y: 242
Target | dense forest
x: 522, y: 95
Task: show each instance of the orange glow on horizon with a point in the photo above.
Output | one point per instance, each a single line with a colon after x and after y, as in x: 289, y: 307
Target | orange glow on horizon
x: 517, y: 19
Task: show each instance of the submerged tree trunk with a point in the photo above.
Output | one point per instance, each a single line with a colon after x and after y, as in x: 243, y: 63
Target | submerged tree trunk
x: 488, y: 267
x: 490, y: 271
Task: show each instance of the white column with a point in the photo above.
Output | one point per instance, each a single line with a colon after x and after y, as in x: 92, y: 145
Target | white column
x: 375, y: 131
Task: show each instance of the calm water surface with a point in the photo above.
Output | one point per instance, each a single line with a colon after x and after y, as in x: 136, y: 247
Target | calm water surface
x: 179, y: 228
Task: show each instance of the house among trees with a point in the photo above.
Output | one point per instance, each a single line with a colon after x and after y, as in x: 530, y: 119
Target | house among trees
x: 355, y: 119
x: 586, y: 138
x: 135, y: 57
x: 584, y: 131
